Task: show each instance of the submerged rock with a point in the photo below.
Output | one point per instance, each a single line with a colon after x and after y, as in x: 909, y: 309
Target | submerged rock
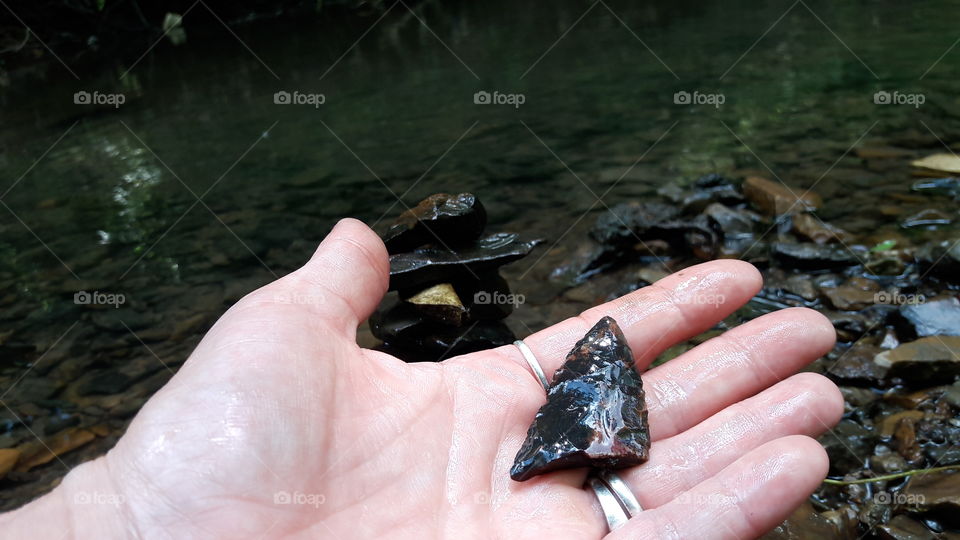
x: 595, y: 414
x: 809, y: 227
x: 448, y: 220
x: 812, y: 256
x: 626, y: 222
x: 431, y: 264
x: 775, y: 199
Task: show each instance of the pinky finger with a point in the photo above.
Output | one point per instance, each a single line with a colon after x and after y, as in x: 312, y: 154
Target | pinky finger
x: 746, y: 499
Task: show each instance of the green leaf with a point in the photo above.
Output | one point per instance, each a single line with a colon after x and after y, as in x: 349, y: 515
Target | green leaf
x: 886, y: 245
x: 100, y: 4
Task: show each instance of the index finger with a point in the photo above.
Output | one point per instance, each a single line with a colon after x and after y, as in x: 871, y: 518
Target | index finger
x: 653, y: 318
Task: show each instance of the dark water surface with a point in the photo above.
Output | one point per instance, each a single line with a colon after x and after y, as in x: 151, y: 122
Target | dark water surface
x: 106, y: 199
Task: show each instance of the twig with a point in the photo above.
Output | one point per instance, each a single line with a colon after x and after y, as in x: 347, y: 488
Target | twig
x: 888, y: 476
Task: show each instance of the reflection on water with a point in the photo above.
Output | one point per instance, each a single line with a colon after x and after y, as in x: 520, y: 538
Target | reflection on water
x: 200, y: 187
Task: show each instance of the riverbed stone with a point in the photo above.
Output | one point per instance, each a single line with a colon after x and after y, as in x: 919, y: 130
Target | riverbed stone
x: 808, y: 227
x: 937, y: 316
x: 932, y: 359
x: 775, y: 199
x: 809, y: 256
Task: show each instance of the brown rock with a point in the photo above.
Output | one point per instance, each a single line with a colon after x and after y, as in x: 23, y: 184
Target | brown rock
x: 849, y: 298
x: 934, y: 490
x: 8, y: 459
x: 889, y: 423
x: 809, y: 227
x: 902, y: 527
x: 36, y: 454
x: 774, y: 198
x: 926, y: 360
x: 805, y: 523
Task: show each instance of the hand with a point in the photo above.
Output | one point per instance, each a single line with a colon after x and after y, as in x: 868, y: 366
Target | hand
x: 278, y: 399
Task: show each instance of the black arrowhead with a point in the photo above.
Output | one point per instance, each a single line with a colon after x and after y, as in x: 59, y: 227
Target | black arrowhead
x: 595, y: 414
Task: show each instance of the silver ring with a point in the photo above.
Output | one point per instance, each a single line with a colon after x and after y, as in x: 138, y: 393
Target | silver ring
x: 532, y: 361
x: 616, y: 499
x: 615, y: 514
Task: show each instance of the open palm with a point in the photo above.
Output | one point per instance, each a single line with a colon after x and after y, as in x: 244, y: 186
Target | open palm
x: 279, y: 425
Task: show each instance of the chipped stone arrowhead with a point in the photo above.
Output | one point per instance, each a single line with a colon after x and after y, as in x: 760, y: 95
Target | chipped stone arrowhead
x: 595, y: 414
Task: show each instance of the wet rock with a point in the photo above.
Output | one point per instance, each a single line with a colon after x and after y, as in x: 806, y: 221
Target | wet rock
x: 626, y: 222
x: 934, y: 491
x: 440, y: 303
x: 734, y: 226
x: 888, y: 425
x: 8, y: 460
x: 849, y: 298
x: 811, y: 256
x: 928, y: 360
x: 887, y: 462
x: 775, y: 199
x: 588, y: 259
x: 902, y: 527
x: 36, y: 453
x: 808, y: 227
x: 926, y: 218
x: 429, y: 265
x: 402, y: 327
x: 856, y: 366
x: 938, y: 316
x: 941, y: 259
x: 804, y: 523
x: 444, y: 219
x: 848, y: 445
x: 943, y: 186
x: 595, y: 414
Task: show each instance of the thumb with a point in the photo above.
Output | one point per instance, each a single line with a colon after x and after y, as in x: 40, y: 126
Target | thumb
x: 351, y: 270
